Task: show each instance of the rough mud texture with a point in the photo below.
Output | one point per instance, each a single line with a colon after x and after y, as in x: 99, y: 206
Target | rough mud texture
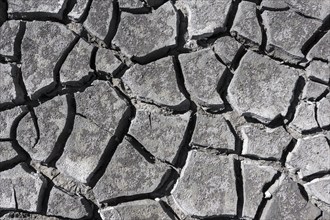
x: 163, y: 109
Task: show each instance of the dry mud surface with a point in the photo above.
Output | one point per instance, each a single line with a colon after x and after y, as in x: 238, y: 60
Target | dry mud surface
x: 156, y: 109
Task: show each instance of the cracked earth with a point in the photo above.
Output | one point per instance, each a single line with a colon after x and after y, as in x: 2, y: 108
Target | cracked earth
x: 155, y: 109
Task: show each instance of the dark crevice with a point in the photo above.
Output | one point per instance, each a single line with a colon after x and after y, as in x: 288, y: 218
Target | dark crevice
x: 232, y: 14
x: 168, y: 210
x: 182, y: 31
x: 123, y: 199
x: 63, y: 137
x: 238, y: 57
x: 222, y: 89
x: 3, y: 11
x: 205, y: 42
x: 45, y: 198
x: 252, y: 118
x: 61, y: 60
x: 120, y: 71
x: 287, y: 150
x: 180, y: 77
x: 21, y: 94
x: 11, y: 163
x: 153, y: 56
x: 67, y: 4
x: 140, y: 148
x: 113, y: 143
x: 320, y: 216
x: 256, y: 157
x: 15, y: 198
x: 114, y: 23
x: 316, y: 116
x: 67, y: 8
x: 290, y: 61
x: 317, y: 175
x: 317, y: 36
x: 36, y: 125
x: 179, y: 160
x: 217, y: 151
x: 92, y: 61
x: 262, y: 47
x: 238, y: 141
x: 174, y: 109
x: 36, y: 16
x: 18, y: 42
x: 302, y: 14
x: 95, y: 212
x: 219, y: 217
x: 239, y: 187
x: 303, y: 192
x: 295, y: 99
x: 142, y: 10
x: 265, y: 8
x: 84, y: 15
x: 24, y: 155
x: 264, y: 200
x: 52, y: 88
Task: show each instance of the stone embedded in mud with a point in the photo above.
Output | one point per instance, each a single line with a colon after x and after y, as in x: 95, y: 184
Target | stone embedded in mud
x: 310, y: 156
x: 8, y: 32
x: 319, y: 188
x: 213, y: 131
x: 313, y: 90
x: 254, y: 179
x: 226, y: 48
x: 304, y: 119
x: 161, y: 135
x: 246, y: 26
x: 264, y: 142
x: 288, y: 203
x: 20, y: 188
x: 128, y: 173
x: 154, y: 82
x: 321, y: 49
x: 261, y: 88
x: 105, y: 61
x: 76, y: 65
x: 7, y: 151
x: 99, y: 18
x: 43, y: 45
x: 318, y: 9
x: 78, y: 10
x: 323, y: 115
x: 141, y: 34
x: 33, y: 6
x: 288, y: 31
x: 7, y: 87
x: 7, y: 118
x: 50, y: 123
x: 202, y: 73
x: 67, y: 206
x: 205, y: 17
x: 318, y: 71
x: 140, y: 209
x: 207, y: 185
